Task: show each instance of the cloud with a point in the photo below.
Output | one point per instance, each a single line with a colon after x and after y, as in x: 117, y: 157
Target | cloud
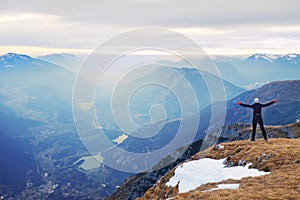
x: 170, y: 13
x: 234, y: 24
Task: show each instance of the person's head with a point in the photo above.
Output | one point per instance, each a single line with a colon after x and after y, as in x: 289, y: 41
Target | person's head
x: 256, y: 100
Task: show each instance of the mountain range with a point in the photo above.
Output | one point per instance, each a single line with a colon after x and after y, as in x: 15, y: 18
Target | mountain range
x: 268, y: 68
x: 71, y: 62
x: 292, y: 58
x: 21, y: 62
x: 259, y: 69
x: 37, y: 124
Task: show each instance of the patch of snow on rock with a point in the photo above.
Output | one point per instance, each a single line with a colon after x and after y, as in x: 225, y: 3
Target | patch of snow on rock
x: 192, y: 174
x: 233, y: 186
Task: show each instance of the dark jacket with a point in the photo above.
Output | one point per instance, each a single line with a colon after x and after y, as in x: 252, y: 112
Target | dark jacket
x: 257, y: 107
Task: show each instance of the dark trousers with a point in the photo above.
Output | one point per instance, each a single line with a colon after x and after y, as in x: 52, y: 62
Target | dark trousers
x: 259, y: 120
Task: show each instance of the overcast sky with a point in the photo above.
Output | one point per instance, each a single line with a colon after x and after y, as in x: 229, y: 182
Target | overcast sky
x: 38, y: 27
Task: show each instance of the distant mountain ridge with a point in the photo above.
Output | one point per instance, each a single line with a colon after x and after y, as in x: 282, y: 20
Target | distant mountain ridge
x: 13, y: 61
x: 259, y: 69
x: 291, y: 58
x: 269, y: 68
x: 69, y: 61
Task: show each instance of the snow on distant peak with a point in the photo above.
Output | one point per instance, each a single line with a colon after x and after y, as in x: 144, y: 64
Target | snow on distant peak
x: 268, y: 57
x: 11, y: 60
x: 10, y: 55
x: 15, y: 57
x: 192, y: 174
x: 21, y: 56
x: 286, y: 58
x: 292, y: 58
x: 292, y: 55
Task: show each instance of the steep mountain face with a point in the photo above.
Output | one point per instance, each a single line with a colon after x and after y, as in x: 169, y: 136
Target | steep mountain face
x: 280, y: 157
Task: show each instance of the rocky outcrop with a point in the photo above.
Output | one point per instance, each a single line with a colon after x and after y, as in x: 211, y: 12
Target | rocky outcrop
x: 280, y: 158
x: 137, y: 185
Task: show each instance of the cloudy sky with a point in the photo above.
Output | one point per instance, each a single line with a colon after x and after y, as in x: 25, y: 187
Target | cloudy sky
x: 37, y: 27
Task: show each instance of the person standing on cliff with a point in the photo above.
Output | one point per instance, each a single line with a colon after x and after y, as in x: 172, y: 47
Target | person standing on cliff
x: 257, y: 117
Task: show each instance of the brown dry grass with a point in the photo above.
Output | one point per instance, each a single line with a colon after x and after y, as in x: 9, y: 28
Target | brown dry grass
x: 281, y: 157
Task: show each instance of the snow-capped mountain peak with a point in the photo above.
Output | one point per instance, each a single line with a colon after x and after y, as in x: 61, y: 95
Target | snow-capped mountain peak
x: 291, y: 58
x: 265, y: 57
x: 14, y: 56
x: 13, y: 60
x: 24, y: 62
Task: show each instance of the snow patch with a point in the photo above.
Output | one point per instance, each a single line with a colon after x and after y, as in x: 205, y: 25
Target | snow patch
x: 268, y: 57
x: 287, y: 58
x: 224, y: 186
x: 191, y: 175
x: 219, y: 146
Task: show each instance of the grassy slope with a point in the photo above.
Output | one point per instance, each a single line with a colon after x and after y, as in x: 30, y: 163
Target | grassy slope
x: 281, y: 157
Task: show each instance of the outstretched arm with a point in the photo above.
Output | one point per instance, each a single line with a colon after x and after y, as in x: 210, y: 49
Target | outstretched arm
x: 245, y: 105
x: 270, y: 103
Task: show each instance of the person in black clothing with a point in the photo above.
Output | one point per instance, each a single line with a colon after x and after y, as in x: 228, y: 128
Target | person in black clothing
x: 257, y: 118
